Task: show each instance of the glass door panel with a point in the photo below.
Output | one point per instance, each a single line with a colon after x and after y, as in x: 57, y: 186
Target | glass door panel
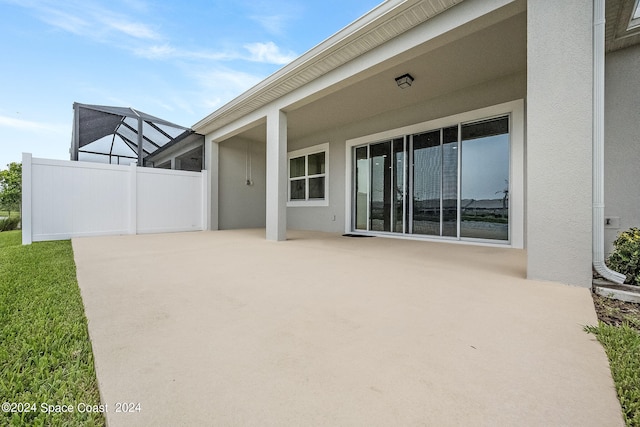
x: 398, y: 185
x: 362, y: 188
x: 485, y: 180
x: 427, y: 173
x: 450, y: 181
x: 380, y: 207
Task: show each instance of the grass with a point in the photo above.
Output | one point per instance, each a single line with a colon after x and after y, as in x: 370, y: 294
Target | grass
x: 45, y: 352
x: 620, y: 338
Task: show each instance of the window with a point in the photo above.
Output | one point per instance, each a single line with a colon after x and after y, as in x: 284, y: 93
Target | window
x: 634, y: 22
x: 308, y: 176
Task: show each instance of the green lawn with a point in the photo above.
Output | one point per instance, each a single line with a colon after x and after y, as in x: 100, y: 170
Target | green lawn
x: 45, y: 352
x: 619, y: 333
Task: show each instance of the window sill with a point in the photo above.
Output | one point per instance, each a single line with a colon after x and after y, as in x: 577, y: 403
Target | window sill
x: 307, y: 203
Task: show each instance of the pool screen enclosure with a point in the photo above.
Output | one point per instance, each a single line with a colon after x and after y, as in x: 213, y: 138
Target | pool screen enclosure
x: 118, y: 135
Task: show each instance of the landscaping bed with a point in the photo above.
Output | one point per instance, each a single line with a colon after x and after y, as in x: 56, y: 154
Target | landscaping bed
x: 615, y: 313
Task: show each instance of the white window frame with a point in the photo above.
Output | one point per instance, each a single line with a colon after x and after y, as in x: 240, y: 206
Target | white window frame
x: 306, y: 152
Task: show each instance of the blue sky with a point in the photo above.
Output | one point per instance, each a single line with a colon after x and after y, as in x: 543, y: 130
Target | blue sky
x: 173, y: 61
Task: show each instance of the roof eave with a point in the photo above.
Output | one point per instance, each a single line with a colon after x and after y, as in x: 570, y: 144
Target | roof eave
x: 284, y: 80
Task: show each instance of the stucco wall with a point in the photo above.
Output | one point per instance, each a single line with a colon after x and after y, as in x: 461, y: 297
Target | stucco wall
x: 241, y: 205
x: 507, y: 88
x: 559, y: 141
x: 622, y: 141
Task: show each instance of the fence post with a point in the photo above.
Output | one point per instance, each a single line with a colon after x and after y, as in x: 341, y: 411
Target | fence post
x: 133, y: 198
x: 27, y: 235
x: 205, y: 199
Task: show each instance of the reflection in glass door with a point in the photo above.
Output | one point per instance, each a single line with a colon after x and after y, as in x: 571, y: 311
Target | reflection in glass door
x: 380, y: 210
x: 485, y: 180
x: 451, y: 182
x: 362, y: 188
x: 399, y: 185
x: 426, y: 184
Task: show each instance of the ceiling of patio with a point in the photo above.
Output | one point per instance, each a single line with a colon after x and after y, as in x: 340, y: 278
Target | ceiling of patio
x: 490, y: 53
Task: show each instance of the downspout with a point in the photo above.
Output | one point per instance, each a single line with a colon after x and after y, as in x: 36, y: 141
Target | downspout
x: 598, y: 145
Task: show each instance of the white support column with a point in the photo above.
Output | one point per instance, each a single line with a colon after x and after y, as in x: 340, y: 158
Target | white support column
x: 559, y: 141
x: 211, y: 162
x: 26, y: 199
x: 276, y: 221
x: 205, y: 200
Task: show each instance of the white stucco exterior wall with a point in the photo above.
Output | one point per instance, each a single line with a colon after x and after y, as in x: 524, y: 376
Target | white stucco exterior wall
x: 622, y: 141
x: 504, y: 89
x: 241, y: 205
x: 559, y: 141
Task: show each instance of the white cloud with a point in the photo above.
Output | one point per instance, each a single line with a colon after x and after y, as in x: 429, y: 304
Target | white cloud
x: 89, y: 19
x: 212, y: 103
x: 92, y: 20
x: 227, y: 80
x: 221, y: 84
x: 64, y: 21
x: 164, y: 51
x: 273, y: 23
x: 268, y: 52
x: 133, y: 29
x: 31, y: 126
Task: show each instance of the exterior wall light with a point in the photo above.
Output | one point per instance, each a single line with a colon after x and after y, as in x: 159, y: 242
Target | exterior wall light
x: 404, y: 81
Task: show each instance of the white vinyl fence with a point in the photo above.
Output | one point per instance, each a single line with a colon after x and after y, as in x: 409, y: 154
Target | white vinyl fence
x: 64, y: 199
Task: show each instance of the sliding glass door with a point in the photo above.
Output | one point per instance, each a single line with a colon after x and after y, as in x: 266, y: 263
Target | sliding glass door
x: 485, y: 180
x: 380, y: 186
x: 450, y: 182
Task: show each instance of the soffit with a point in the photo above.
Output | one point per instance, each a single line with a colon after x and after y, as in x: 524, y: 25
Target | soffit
x: 495, y: 52
x: 492, y: 53
x: 618, y: 15
x: 384, y: 23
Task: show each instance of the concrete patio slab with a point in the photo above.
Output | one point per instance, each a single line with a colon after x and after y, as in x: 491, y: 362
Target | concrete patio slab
x: 227, y: 329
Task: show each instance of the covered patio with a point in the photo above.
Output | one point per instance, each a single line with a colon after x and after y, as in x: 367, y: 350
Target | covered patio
x: 227, y: 328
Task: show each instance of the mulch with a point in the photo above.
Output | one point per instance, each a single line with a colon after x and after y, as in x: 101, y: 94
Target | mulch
x: 615, y: 312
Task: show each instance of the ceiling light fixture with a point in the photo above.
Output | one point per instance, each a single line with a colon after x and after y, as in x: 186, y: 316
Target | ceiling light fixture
x: 404, y: 81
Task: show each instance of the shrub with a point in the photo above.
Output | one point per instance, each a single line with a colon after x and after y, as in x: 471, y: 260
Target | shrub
x: 626, y: 255
x: 9, y: 224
